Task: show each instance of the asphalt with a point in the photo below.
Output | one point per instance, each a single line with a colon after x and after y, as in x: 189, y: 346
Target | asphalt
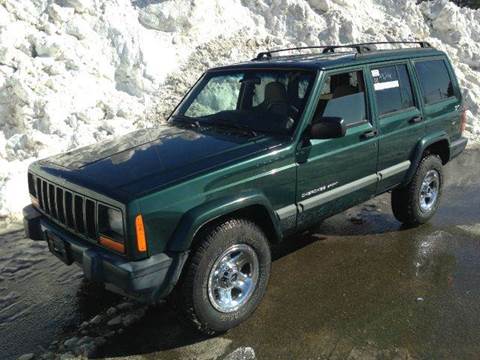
x: 358, y: 286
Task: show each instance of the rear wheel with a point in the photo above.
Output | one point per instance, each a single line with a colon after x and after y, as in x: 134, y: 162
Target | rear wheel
x: 418, y: 201
x: 226, y: 277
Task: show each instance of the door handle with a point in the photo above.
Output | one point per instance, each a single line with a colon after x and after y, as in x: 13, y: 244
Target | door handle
x: 415, y: 120
x: 369, y: 134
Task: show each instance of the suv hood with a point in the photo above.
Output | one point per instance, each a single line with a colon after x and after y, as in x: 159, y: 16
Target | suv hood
x: 147, y: 159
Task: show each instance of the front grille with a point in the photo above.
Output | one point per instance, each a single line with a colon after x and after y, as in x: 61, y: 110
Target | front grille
x: 79, y: 213
x: 75, y: 211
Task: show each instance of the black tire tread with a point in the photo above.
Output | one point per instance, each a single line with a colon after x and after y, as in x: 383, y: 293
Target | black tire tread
x: 405, y: 200
x: 183, y: 302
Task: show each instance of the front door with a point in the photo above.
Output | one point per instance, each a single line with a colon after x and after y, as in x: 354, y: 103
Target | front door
x: 335, y: 174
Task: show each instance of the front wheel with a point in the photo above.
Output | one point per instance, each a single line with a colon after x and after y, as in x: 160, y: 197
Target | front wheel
x: 226, y: 277
x: 418, y: 201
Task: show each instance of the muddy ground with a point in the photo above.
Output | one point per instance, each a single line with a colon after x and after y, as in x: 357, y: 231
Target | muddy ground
x: 358, y: 286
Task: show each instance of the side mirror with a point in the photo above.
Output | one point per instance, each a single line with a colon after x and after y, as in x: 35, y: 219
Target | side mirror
x: 328, y: 128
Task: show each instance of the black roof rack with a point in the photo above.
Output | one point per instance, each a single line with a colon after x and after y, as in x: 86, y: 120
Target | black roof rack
x: 360, y: 48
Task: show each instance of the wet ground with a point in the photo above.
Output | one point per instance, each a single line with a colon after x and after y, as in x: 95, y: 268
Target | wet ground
x: 358, y: 286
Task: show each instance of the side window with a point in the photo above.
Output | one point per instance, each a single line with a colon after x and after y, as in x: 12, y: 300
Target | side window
x: 393, y: 91
x: 405, y: 86
x: 435, y: 80
x: 343, y: 95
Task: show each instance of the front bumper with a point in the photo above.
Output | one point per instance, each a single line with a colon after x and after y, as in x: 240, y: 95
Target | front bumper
x: 146, y: 280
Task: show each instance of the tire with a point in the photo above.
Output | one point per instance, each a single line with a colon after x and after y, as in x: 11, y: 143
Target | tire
x: 412, y: 205
x: 200, y: 293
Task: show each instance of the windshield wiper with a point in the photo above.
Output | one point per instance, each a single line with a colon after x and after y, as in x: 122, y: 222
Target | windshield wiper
x: 182, y: 119
x: 185, y: 121
x: 233, y: 125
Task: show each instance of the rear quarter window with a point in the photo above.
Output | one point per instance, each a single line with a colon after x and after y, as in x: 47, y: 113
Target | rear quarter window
x: 435, y: 81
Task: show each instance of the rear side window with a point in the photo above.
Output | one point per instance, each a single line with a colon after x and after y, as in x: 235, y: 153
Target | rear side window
x: 435, y: 80
x: 393, y: 91
x: 343, y: 95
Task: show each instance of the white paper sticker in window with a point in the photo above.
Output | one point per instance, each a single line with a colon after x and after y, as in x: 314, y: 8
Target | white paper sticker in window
x: 386, y: 85
x: 376, y: 73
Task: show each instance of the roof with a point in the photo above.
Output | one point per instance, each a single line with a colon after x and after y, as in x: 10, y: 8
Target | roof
x: 330, y: 59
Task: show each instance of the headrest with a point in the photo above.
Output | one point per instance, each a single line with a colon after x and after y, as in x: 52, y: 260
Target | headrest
x: 275, y: 92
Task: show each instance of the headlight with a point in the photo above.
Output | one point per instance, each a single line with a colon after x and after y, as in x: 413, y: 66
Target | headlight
x: 32, y: 190
x: 110, y: 222
x: 115, y: 221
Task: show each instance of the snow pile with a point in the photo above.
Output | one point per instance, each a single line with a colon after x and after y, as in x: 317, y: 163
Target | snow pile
x: 73, y: 72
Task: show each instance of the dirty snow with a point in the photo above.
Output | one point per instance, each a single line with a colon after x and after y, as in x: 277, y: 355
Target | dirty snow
x: 73, y: 72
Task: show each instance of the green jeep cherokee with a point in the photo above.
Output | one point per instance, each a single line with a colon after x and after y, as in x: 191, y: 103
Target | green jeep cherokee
x: 254, y: 152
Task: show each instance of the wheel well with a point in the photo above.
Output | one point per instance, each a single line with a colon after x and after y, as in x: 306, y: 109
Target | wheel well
x: 255, y: 213
x: 440, y: 148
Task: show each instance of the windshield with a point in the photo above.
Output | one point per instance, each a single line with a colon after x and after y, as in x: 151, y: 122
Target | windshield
x: 269, y: 101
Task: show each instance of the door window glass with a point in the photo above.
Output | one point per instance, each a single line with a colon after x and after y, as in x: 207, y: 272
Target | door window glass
x: 435, y: 80
x: 343, y: 95
x: 393, y: 91
x: 405, y: 86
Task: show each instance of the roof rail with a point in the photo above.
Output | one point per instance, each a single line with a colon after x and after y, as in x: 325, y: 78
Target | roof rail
x: 422, y: 44
x: 359, y: 48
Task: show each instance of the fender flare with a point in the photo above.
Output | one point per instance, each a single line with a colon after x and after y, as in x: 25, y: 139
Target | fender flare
x: 195, y: 218
x: 420, y: 148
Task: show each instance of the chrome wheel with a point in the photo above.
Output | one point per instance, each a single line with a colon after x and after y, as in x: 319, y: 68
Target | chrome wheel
x: 233, y: 278
x: 429, y: 190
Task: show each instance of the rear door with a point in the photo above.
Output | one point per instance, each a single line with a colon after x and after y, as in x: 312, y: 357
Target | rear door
x: 399, y: 119
x: 334, y: 174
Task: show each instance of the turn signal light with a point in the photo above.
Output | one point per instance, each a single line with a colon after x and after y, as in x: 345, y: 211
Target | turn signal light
x: 140, y: 230
x: 111, y: 244
x: 34, y: 201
